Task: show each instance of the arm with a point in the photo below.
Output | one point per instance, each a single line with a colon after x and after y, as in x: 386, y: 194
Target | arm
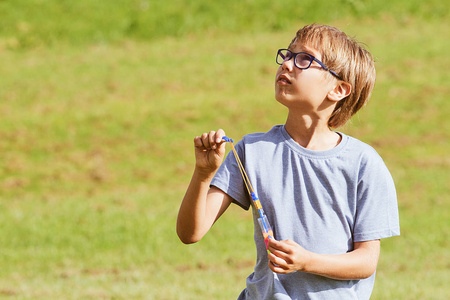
x: 202, y: 205
x: 287, y: 256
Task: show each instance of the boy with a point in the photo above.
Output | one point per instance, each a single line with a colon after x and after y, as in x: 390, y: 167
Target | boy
x: 329, y: 197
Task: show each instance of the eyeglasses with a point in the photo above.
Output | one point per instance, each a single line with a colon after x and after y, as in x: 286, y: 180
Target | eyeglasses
x: 302, y: 60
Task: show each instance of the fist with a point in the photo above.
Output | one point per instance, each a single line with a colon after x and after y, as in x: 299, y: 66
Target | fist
x: 209, y: 151
x: 287, y: 256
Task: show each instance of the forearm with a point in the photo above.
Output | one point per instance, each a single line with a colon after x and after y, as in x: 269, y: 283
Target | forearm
x: 288, y: 256
x: 358, y: 264
x: 202, y: 205
x: 192, y: 221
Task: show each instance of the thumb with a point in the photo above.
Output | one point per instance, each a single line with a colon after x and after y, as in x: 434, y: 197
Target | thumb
x: 272, y: 244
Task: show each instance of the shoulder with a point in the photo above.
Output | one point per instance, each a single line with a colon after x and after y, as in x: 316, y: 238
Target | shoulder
x: 368, y: 159
x: 274, y: 134
x: 255, y: 145
x: 361, y: 150
x: 261, y: 140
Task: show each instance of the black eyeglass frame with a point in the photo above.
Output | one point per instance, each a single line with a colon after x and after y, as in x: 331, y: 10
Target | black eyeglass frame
x: 312, y: 58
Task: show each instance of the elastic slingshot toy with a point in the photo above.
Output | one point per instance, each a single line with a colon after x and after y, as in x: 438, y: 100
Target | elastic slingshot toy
x: 262, y: 220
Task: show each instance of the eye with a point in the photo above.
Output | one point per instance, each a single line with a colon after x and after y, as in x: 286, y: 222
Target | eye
x: 283, y: 55
x: 286, y: 55
x: 303, y: 60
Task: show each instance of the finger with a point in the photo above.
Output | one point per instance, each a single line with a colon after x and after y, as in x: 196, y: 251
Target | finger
x: 278, y: 256
x: 212, y: 139
x: 198, y: 142
x: 277, y: 269
x: 274, y: 245
x: 219, y: 135
x: 221, y: 143
x: 278, y: 250
x: 205, y: 140
x: 282, y: 246
x: 277, y: 261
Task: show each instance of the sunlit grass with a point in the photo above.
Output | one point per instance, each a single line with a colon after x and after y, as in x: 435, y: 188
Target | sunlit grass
x: 97, y: 152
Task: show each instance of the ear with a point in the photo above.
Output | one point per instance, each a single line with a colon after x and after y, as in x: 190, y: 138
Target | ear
x: 340, y: 91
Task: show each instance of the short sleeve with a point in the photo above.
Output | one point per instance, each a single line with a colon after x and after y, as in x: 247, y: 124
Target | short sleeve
x: 377, y: 210
x: 229, y: 179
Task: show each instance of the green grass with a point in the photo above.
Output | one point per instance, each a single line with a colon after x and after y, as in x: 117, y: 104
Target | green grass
x: 38, y: 23
x: 96, y: 143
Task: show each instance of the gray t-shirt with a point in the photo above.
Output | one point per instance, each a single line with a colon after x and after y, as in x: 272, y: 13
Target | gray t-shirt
x: 323, y: 200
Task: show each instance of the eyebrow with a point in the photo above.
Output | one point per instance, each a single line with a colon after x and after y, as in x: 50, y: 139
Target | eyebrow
x: 302, y: 48
x: 303, y: 51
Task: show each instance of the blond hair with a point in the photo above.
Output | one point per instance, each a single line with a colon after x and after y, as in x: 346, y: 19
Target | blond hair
x: 345, y: 56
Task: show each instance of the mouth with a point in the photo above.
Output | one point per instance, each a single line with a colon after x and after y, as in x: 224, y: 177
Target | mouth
x: 283, y: 79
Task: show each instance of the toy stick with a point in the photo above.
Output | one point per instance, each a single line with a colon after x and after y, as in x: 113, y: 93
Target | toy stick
x: 262, y: 220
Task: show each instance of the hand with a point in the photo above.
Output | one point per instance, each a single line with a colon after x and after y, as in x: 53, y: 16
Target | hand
x: 209, y: 151
x: 287, y: 256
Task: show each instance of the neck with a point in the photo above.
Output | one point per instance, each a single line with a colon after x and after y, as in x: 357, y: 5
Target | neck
x: 311, y: 132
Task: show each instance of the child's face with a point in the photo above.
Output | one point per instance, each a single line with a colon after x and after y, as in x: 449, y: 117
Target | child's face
x: 302, y: 89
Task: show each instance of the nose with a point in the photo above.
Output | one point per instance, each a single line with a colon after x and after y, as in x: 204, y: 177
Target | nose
x: 288, y: 64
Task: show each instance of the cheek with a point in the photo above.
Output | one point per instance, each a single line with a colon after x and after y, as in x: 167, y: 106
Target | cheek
x: 277, y: 73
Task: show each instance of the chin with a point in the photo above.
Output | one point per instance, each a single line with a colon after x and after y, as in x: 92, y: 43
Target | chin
x: 281, y: 99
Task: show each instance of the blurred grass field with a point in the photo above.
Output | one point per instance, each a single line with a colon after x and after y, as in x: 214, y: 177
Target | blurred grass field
x: 100, y: 103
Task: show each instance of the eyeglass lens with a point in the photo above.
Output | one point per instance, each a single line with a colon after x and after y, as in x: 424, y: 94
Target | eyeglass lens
x: 302, y: 60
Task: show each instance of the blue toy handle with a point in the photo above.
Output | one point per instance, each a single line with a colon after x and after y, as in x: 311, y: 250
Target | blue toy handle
x: 227, y: 139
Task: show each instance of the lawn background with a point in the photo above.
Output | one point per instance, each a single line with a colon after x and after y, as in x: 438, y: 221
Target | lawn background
x: 100, y: 103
